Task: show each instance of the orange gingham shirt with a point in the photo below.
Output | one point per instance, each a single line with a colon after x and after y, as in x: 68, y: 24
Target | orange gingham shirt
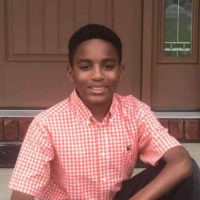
x: 67, y: 154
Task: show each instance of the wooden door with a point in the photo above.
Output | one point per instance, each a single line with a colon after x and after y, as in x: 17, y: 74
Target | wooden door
x: 33, y: 46
x: 173, y: 78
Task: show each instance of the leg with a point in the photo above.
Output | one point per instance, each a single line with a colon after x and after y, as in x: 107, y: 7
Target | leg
x: 189, y: 189
x: 133, y: 185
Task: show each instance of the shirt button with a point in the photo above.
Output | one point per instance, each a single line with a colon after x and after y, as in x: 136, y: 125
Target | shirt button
x: 104, y: 179
x: 103, y: 154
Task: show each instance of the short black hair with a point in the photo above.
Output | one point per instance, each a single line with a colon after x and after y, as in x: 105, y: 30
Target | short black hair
x: 93, y: 31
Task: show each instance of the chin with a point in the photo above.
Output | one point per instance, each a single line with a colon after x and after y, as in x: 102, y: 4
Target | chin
x: 100, y: 101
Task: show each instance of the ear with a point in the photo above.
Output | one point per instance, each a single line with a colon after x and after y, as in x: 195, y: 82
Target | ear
x: 122, y: 69
x: 70, y: 73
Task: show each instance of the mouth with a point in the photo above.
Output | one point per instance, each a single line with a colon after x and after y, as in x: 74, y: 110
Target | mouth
x: 97, y: 89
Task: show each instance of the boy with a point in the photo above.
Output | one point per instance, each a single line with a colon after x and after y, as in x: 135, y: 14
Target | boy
x: 86, y: 146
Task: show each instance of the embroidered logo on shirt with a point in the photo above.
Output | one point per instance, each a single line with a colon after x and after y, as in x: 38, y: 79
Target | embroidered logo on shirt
x: 128, y: 148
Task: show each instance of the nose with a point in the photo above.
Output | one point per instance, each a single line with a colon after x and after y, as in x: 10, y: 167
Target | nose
x: 97, y: 73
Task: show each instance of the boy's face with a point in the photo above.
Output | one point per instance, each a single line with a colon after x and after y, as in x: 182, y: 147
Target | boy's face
x: 96, y: 71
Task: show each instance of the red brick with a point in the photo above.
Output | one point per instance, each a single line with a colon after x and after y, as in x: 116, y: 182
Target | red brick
x: 176, y: 128
x: 23, y: 126
x: 192, y: 129
x: 10, y: 129
x: 1, y: 129
x: 164, y: 122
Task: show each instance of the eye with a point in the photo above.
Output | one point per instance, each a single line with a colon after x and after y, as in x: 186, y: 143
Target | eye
x: 84, y: 67
x: 109, y: 66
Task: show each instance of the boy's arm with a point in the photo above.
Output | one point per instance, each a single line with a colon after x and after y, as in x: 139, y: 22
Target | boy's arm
x: 178, y: 167
x: 21, y: 196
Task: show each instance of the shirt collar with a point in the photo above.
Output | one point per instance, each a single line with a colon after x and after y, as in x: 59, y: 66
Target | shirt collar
x: 79, y: 107
x: 83, y: 113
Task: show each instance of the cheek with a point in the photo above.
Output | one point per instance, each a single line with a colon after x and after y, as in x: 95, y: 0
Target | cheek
x: 79, y: 77
x: 115, y: 77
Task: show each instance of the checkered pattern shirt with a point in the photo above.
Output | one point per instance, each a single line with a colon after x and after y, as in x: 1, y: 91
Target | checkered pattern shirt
x: 68, y: 155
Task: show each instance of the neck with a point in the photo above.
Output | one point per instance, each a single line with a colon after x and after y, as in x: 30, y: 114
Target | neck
x: 99, y: 112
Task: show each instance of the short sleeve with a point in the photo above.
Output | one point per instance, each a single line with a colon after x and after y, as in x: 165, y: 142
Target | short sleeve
x: 154, y: 139
x: 32, y: 169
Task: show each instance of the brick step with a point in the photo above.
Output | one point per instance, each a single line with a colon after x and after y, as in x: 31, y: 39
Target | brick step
x: 194, y: 150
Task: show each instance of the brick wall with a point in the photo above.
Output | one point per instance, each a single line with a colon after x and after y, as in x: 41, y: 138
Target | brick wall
x: 14, y: 129
x: 187, y: 130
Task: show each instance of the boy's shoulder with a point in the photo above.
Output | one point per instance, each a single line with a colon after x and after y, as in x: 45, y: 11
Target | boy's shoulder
x: 59, y: 109
x: 133, y: 108
x: 131, y: 102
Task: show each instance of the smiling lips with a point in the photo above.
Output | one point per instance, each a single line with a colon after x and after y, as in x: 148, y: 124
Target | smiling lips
x: 97, y: 89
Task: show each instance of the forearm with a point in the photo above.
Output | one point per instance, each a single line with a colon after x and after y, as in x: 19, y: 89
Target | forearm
x: 178, y: 167
x: 21, y: 196
x: 170, y: 176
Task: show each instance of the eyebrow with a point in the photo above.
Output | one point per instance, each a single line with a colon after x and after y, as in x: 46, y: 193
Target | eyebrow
x: 109, y: 60
x: 82, y: 60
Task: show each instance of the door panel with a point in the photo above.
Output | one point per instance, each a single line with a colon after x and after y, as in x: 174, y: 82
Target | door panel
x: 176, y: 87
